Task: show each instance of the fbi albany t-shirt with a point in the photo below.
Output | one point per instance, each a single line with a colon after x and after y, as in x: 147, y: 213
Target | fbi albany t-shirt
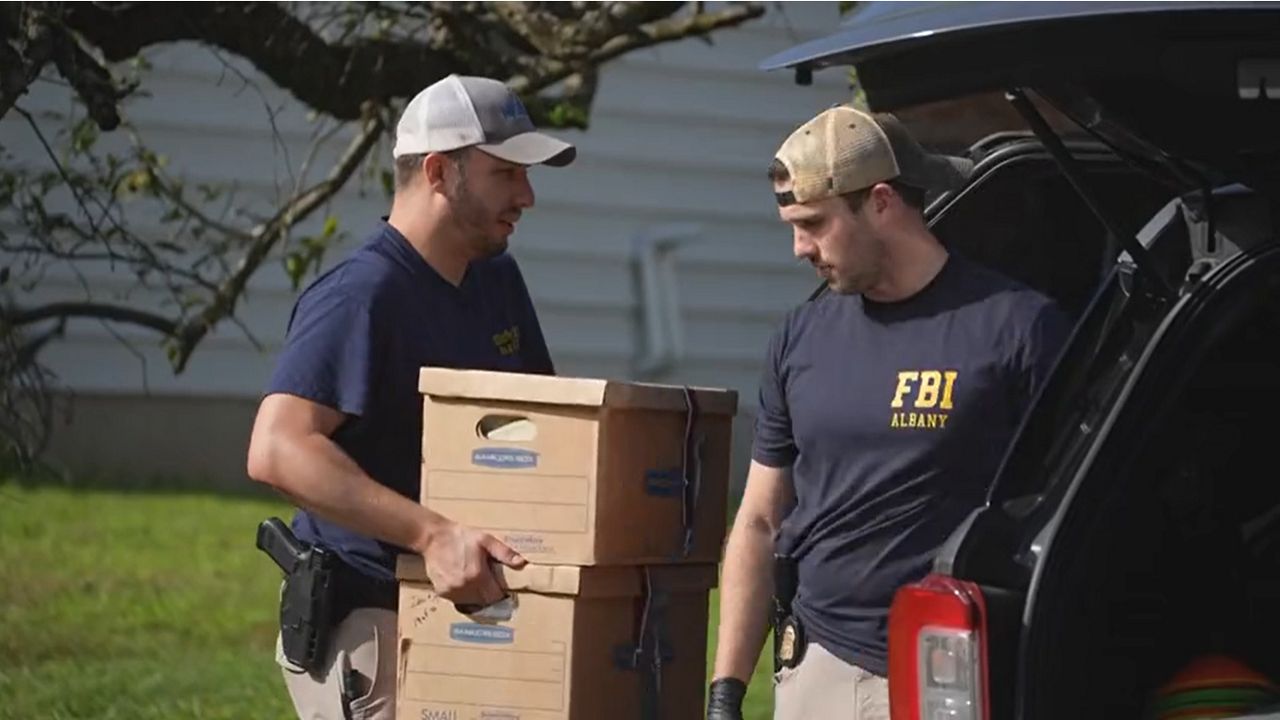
x: 893, y: 417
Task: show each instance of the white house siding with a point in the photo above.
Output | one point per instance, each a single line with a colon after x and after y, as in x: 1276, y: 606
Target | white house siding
x: 680, y: 134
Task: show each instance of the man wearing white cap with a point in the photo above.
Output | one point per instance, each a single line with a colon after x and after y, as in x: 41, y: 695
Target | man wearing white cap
x: 886, y: 405
x: 339, y: 428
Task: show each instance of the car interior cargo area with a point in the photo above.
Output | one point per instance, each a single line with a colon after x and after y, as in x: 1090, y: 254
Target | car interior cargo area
x: 1020, y: 215
x: 1180, y: 559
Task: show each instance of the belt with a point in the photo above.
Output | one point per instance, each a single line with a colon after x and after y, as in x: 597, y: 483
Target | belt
x: 353, y: 589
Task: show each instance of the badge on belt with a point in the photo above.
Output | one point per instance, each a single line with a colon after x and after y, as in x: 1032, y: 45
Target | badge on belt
x: 791, y: 643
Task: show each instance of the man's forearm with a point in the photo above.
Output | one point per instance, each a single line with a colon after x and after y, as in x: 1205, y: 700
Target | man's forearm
x: 319, y: 477
x: 746, y: 589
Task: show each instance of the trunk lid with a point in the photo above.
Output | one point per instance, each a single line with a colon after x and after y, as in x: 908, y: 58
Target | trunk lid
x: 1193, y: 88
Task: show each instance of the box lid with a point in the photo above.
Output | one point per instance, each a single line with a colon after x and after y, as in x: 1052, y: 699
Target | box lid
x: 588, y: 581
x: 547, y: 389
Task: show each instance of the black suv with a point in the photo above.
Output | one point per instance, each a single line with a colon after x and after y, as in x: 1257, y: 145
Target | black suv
x: 1135, y: 522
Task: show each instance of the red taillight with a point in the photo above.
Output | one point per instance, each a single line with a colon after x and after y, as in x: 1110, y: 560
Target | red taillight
x: 938, y: 651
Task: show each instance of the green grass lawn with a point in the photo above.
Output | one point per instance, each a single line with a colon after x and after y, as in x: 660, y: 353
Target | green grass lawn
x: 150, y: 605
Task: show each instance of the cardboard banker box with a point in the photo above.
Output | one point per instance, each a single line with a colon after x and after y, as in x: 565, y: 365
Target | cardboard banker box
x: 569, y: 643
x: 578, y: 471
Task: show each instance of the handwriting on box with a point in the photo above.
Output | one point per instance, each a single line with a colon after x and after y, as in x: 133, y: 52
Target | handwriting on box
x: 527, y: 543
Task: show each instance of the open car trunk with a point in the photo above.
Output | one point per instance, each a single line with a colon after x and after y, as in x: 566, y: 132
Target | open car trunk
x: 1180, y: 556
x: 1185, y: 92
x: 1019, y: 215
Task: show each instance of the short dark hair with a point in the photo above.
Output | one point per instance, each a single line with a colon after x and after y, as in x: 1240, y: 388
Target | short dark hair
x: 912, y: 196
x: 408, y: 166
x: 407, y: 169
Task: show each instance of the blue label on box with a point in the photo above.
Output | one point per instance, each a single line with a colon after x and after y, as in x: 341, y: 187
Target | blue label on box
x: 504, y: 458
x: 481, y: 634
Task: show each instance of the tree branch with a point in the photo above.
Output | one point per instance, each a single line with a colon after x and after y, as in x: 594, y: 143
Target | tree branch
x: 20, y: 65
x: 304, y: 203
x: 66, y: 178
x: 89, y: 79
x: 152, y: 260
x: 334, y: 79
x: 35, y: 34
x: 537, y: 26
x: 100, y: 311
x: 24, y: 357
x: 337, y: 78
x: 551, y: 70
x: 109, y: 257
x: 27, y: 418
x: 667, y: 30
x: 608, y: 19
x: 571, y: 109
x: 175, y: 196
x: 269, y: 234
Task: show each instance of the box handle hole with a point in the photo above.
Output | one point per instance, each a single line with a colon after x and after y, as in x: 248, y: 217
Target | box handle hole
x: 508, y: 428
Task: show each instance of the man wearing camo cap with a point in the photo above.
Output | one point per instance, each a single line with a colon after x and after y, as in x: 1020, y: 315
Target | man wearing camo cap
x: 886, y: 404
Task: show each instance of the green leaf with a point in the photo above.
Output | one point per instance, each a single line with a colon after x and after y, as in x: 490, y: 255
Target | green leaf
x: 209, y: 192
x: 84, y: 135
x: 859, y: 99
x: 137, y: 181
x: 294, y: 267
x: 330, y: 227
x: 567, y: 114
x: 388, y: 182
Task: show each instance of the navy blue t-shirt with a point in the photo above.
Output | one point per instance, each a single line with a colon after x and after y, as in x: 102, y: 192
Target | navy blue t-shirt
x: 893, y: 418
x: 357, y: 338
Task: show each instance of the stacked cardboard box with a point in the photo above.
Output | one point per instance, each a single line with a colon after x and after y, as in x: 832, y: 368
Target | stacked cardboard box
x: 616, y: 493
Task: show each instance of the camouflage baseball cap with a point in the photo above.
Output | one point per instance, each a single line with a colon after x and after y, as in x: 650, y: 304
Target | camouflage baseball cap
x: 843, y: 150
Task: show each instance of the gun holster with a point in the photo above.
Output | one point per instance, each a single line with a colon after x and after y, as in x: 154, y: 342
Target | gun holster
x: 306, y: 610
x: 789, y: 641
x: 319, y: 591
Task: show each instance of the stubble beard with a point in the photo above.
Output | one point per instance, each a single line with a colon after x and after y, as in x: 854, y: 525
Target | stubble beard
x: 471, y: 217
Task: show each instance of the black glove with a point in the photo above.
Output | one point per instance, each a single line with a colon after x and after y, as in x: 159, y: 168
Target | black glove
x: 724, y: 702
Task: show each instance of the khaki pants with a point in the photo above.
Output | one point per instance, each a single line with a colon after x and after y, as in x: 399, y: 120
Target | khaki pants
x: 824, y: 687
x: 366, y: 642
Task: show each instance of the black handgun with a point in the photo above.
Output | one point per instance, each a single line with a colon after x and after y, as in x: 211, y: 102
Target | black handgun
x: 278, y: 541
x: 306, y: 602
